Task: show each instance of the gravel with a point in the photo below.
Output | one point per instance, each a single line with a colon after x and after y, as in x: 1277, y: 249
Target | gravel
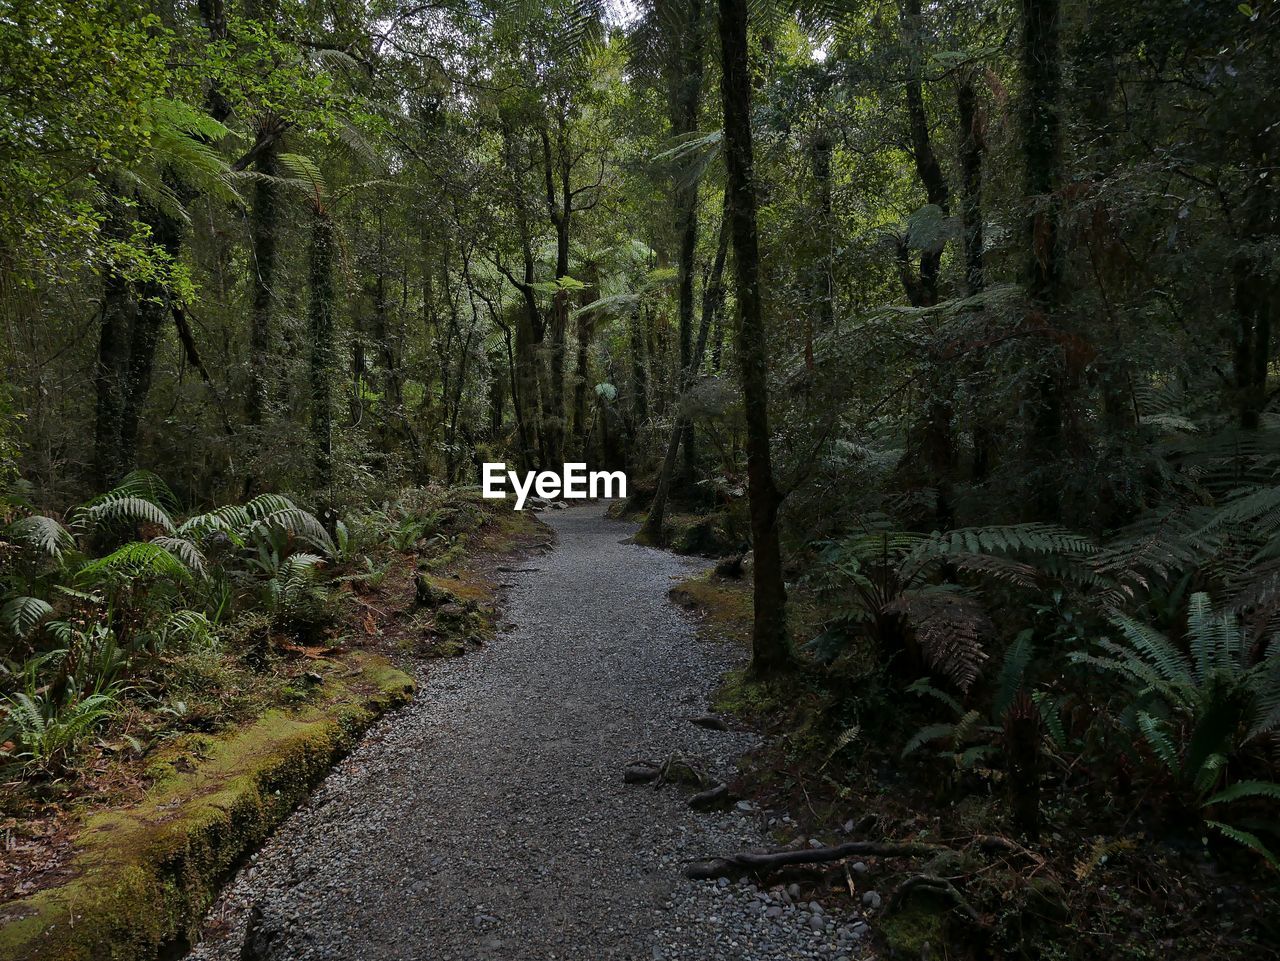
x: 488, y: 819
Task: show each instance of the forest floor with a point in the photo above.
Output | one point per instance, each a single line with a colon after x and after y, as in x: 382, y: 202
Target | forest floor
x: 489, y: 817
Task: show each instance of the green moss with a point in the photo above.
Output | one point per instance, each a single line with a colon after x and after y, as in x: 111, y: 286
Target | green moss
x: 726, y: 605
x: 145, y: 875
x: 920, y: 921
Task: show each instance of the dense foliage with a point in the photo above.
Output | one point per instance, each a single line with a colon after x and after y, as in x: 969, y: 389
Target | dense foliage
x: 968, y: 304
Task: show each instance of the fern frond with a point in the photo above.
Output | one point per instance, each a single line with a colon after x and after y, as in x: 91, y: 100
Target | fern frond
x: 1155, y: 648
x: 950, y: 631
x: 44, y: 534
x: 127, y: 508
x: 1160, y: 743
x: 231, y: 519
x: 21, y: 615
x: 927, y: 734
x: 137, y: 559
x: 1013, y: 671
x: 1246, y: 838
x: 303, y: 525
x: 1244, y: 789
x: 266, y: 504
x: 184, y: 550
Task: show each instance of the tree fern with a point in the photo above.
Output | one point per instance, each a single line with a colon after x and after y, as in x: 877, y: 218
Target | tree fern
x: 301, y: 524
x: 44, y: 534
x: 20, y: 615
x: 138, y: 559
x: 126, y: 509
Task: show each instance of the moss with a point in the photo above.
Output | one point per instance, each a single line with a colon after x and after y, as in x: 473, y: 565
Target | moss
x: 145, y: 875
x: 726, y: 605
x: 921, y: 921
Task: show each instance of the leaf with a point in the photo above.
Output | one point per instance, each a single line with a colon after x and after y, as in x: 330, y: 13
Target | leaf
x: 21, y: 615
x: 45, y: 534
x: 1249, y: 840
x: 926, y: 734
x: 927, y: 229
x: 1243, y: 789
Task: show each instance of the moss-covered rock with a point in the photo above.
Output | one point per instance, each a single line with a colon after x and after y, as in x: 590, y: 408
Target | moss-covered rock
x: 145, y: 875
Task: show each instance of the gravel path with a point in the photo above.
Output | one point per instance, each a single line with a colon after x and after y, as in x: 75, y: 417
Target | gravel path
x: 488, y: 819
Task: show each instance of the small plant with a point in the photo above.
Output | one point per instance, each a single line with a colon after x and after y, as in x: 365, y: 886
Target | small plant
x: 1199, y: 710
x: 43, y: 729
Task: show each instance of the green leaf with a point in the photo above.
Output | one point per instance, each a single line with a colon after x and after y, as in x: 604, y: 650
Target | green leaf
x: 1243, y: 789
x: 1251, y: 841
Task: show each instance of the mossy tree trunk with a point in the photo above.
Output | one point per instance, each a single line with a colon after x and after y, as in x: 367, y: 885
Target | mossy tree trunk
x: 132, y: 319
x: 320, y: 315
x: 770, y: 647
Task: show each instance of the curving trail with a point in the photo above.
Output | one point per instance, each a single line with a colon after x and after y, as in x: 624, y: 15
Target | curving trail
x: 489, y: 818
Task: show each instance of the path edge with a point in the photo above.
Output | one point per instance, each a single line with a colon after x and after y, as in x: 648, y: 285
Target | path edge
x: 143, y: 877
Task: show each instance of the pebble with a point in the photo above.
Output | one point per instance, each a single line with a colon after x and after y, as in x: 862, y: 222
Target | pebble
x: 497, y: 795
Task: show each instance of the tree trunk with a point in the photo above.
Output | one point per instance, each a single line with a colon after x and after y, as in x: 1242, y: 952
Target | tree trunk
x: 712, y: 297
x: 639, y: 371
x: 770, y: 648
x: 686, y: 100
x: 132, y: 319
x: 582, y: 369
x: 263, y: 236
x: 320, y: 322
x: 1041, y: 148
x: 972, y: 147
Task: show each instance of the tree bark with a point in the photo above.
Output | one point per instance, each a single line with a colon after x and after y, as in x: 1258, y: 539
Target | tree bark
x: 132, y: 319
x: 686, y: 100
x: 320, y: 322
x: 1041, y: 67
x: 770, y: 647
x: 972, y: 148
x: 263, y: 229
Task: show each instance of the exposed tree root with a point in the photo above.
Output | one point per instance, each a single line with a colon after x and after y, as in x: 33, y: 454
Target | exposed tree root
x: 713, y: 797
x: 749, y: 863
x: 940, y: 887
x: 674, y: 770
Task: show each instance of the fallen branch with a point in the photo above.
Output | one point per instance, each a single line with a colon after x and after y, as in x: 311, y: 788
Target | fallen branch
x: 747, y: 863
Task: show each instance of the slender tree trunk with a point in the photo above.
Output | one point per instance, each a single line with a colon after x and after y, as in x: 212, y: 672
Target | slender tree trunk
x: 821, y: 285
x: 925, y: 292
x: 1041, y: 68
x: 263, y: 228
x: 686, y: 100
x: 582, y: 371
x: 770, y: 647
x: 109, y: 379
x: 972, y: 148
x: 154, y: 310
x: 320, y: 321
x: 712, y: 302
x: 639, y: 370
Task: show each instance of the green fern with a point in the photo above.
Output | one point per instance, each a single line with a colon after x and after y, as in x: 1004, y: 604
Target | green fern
x: 133, y: 561
x: 21, y: 615
x: 44, y: 534
x: 125, y: 509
